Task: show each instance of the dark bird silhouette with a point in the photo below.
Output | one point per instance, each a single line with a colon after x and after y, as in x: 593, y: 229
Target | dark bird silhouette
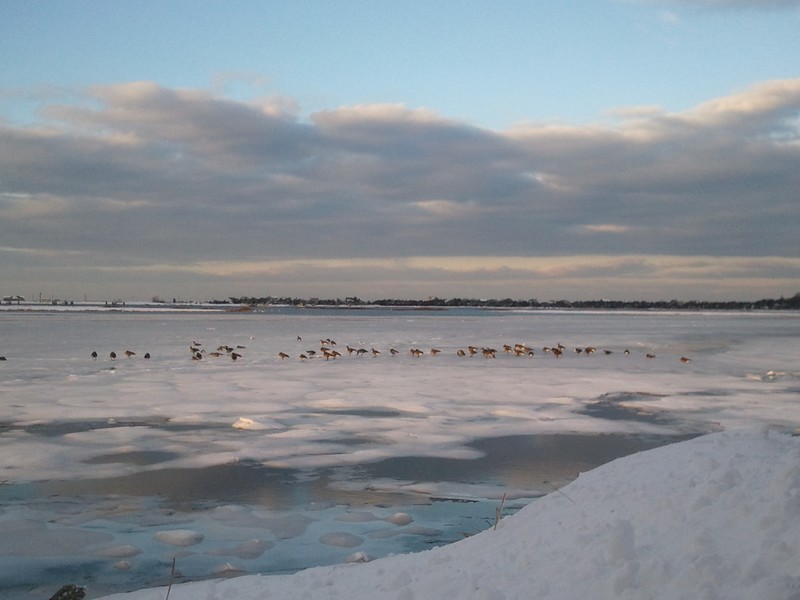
x: 113, y: 356
x: 94, y: 355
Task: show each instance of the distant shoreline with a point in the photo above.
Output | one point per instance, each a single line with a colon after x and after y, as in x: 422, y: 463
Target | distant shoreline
x: 249, y: 305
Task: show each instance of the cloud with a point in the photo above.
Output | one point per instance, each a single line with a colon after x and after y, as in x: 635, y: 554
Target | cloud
x: 158, y: 181
x: 733, y: 4
x: 605, y: 228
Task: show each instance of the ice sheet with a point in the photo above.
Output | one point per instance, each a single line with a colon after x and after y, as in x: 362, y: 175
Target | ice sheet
x: 120, y: 447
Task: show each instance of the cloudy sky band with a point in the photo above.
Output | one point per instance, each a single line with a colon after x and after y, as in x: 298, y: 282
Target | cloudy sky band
x: 112, y: 188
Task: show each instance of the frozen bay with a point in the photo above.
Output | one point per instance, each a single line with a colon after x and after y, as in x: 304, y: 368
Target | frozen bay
x: 112, y: 468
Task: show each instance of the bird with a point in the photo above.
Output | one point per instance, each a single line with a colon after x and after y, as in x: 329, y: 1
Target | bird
x: 94, y: 355
x: 649, y: 355
x: 283, y: 355
x: 393, y: 351
x: 235, y: 355
x: 147, y: 356
x: 113, y: 356
x: 460, y: 352
x: 685, y: 359
x: 435, y: 351
x: 130, y: 353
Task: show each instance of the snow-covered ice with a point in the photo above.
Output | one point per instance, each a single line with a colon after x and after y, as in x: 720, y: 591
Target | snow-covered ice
x: 113, y: 468
x: 715, y: 517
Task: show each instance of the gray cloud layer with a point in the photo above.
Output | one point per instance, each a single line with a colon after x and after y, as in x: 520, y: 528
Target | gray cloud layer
x: 165, y: 183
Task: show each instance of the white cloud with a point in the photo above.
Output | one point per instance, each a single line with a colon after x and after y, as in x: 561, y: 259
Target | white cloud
x: 161, y: 182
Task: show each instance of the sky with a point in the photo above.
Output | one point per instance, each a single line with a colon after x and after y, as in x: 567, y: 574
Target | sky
x: 626, y: 149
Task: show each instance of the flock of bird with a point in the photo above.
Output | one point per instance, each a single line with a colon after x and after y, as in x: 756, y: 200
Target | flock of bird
x: 127, y: 353
x: 328, y: 351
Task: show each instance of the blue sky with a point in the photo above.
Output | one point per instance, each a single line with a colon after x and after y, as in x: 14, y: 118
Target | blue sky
x: 524, y: 149
x: 491, y: 64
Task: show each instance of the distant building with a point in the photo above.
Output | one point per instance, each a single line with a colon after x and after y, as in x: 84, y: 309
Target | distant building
x: 10, y: 299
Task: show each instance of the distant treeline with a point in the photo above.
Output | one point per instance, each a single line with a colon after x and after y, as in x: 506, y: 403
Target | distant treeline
x: 781, y: 303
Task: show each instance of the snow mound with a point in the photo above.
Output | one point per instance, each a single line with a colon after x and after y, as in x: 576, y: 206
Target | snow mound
x: 714, y: 517
x: 179, y: 537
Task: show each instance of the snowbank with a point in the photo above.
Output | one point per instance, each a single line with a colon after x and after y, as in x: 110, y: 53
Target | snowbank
x: 714, y: 517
